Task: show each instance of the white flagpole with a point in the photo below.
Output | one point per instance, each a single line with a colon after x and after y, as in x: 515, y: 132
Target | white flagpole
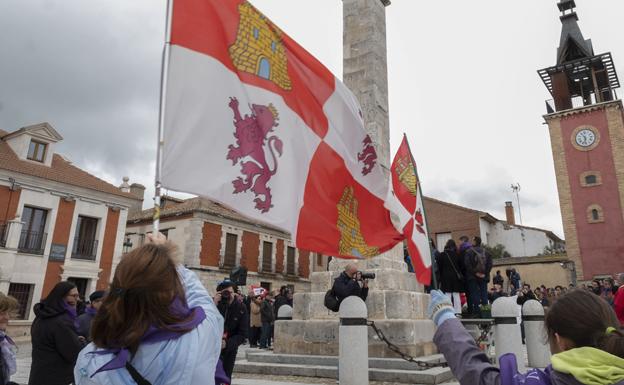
x: 161, y: 116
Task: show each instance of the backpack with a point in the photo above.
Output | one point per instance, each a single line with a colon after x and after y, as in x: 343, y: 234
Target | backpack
x: 479, y: 262
x: 331, y: 301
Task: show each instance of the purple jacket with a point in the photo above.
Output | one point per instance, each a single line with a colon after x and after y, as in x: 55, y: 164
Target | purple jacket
x: 472, y: 367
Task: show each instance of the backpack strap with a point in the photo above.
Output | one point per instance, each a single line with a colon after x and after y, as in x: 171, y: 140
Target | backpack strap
x: 136, y: 376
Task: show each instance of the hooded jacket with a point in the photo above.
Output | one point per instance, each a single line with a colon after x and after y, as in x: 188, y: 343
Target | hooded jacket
x: 582, y: 366
x: 190, y: 359
x: 55, y: 346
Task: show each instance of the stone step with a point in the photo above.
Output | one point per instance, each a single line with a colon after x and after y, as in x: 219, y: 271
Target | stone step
x: 300, y: 359
x: 431, y: 376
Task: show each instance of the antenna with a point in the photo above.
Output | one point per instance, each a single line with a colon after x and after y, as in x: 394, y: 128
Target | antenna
x: 516, y: 189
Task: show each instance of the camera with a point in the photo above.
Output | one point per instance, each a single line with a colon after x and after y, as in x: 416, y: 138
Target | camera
x: 368, y: 275
x: 225, y: 297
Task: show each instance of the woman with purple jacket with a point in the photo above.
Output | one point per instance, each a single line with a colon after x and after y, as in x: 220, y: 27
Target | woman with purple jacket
x: 584, y: 334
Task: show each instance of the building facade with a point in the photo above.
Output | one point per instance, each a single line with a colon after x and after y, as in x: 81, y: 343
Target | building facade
x: 586, y: 126
x: 57, y: 222
x: 213, y: 240
x: 449, y: 221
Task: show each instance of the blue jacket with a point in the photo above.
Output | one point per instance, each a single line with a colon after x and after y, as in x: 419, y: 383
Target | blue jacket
x: 190, y: 359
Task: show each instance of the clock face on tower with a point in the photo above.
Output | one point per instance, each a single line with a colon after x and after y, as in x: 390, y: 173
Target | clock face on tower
x: 585, y: 138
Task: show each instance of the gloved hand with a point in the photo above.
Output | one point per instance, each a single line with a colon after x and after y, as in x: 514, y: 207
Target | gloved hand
x: 440, y: 308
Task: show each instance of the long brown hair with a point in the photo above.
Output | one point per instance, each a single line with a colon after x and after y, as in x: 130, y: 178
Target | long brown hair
x: 145, y: 285
x: 585, y: 319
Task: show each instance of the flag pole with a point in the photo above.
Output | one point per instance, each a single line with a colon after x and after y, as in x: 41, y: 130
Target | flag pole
x: 161, y: 117
x: 434, y: 280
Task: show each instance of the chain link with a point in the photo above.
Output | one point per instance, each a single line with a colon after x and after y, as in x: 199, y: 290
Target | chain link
x: 422, y: 365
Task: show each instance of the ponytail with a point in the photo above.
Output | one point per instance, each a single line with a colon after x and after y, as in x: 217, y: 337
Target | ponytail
x: 613, y: 342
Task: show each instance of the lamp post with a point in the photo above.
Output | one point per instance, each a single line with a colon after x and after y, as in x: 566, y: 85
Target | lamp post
x: 516, y: 189
x: 569, y: 265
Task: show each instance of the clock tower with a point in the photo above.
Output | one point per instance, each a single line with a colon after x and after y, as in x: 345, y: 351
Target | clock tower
x: 586, y: 125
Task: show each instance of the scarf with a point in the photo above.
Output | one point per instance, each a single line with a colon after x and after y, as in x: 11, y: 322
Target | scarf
x: 7, y: 349
x: 590, y: 366
x: 91, y: 311
x: 73, y: 315
x: 154, y: 335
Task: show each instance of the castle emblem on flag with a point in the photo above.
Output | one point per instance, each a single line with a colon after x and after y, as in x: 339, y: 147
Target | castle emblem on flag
x: 351, y: 240
x: 368, y: 156
x: 259, y: 49
x: 406, y: 174
x: 252, y: 138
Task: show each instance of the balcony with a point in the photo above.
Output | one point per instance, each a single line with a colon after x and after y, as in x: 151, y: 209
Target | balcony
x: 4, y: 233
x: 84, y: 249
x: 32, y: 242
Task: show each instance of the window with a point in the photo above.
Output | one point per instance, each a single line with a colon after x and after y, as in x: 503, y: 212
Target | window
x: 81, y: 285
x: 290, y: 261
x: 273, y: 46
x: 319, y: 259
x: 266, y: 285
x: 32, y: 239
x: 590, y: 178
x: 595, y: 214
x: 229, y: 258
x: 256, y: 33
x: 23, y: 294
x: 267, y: 256
x: 85, y: 244
x: 36, y: 151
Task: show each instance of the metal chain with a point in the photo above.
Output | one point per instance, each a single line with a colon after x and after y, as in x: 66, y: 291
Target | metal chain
x: 421, y: 364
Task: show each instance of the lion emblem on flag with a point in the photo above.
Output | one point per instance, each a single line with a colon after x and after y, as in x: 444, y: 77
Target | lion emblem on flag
x: 368, y: 156
x: 253, y: 141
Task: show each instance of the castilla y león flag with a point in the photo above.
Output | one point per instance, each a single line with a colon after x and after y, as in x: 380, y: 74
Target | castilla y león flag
x: 255, y: 122
x: 405, y: 199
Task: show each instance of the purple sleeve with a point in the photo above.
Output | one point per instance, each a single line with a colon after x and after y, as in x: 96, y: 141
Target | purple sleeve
x: 469, y: 364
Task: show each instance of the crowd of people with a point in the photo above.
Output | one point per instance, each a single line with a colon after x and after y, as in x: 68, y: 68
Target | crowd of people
x: 464, y: 274
x: 157, y: 324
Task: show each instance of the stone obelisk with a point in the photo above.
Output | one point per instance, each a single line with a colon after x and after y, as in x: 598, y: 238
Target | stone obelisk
x: 395, y: 302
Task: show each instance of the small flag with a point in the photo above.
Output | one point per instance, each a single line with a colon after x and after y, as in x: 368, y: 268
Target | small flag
x: 405, y: 199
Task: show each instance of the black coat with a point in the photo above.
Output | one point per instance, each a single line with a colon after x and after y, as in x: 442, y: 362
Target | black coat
x: 449, y: 264
x: 470, y: 262
x: 55, y: 347
x: 345, y: 287
x: 236, y: 323
x: 267, y: 314
x: 280, y: 300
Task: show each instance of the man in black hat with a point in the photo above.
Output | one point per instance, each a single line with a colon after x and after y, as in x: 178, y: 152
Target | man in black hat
x: 236, y: 324
x: 85, y: 319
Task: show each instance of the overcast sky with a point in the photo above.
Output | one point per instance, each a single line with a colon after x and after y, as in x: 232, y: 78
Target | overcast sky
x: 463, y: 85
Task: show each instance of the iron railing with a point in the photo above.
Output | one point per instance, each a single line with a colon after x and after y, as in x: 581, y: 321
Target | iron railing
x: 84, y: 249
x: 32, y: 242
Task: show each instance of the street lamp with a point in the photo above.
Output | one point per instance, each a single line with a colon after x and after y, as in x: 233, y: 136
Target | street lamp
x: 516, y: 189
x: 569, y: 265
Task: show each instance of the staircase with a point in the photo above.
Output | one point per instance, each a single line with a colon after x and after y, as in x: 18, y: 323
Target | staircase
x: 391, y: 370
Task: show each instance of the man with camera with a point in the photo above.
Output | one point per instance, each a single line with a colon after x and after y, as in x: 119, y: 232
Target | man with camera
x: 351, y: 282
x: 236, y: 323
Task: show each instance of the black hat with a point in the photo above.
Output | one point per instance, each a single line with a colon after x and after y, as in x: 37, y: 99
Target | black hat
x: 225, y: 284
x: 96, y: 295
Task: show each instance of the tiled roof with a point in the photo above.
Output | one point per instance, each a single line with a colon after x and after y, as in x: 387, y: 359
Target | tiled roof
x: 492, y: 218
x: 200, y: 205
x: 60, y: 171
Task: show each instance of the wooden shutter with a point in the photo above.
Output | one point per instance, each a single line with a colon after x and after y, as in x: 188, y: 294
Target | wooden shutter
x: 290, y: 261
x: 229, y: 259
x: 267, y: 256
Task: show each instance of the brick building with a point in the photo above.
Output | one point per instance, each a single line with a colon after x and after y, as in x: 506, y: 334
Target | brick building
x: 586, y: 126
x: 449, y: 221
x: 57, y: 222
x: 214, y: 239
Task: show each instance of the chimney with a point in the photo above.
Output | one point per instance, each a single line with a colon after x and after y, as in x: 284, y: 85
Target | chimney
x: 509, y: 211
x: 137, y: 190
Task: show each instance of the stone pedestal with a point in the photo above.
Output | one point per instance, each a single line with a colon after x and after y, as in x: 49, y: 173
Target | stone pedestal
x: 395, y: 302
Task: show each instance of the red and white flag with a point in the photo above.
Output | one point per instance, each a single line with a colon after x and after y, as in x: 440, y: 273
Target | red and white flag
x: 254, y: 121
x: 405, y: 199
